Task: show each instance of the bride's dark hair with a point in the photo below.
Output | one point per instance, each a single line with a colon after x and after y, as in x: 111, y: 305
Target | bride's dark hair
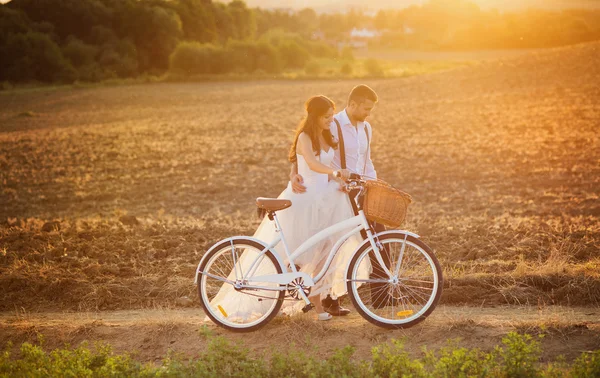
x: 316, y: 107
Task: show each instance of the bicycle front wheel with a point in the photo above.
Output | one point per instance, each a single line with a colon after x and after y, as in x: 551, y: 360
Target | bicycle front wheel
x: 400, y: 300
x: 239, y: 309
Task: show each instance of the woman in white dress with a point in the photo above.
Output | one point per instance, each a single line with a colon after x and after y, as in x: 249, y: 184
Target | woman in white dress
x: 322, y: 205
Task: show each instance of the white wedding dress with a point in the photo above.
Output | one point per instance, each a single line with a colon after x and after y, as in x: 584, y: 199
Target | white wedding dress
x: 321, y: 206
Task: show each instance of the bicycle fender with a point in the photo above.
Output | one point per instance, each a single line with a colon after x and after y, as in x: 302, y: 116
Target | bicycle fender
x: 404, y: 232
x: 220, y: 242
x: 366, y: 241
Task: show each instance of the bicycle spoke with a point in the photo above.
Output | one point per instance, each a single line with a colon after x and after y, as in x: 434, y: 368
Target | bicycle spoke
x: 244, y: 307
x: 399, y: 299
x: 401, y: 254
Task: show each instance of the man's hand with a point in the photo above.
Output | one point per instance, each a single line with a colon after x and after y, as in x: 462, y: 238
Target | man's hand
x: 297, y: 184
x: 343, y: 187
x: 341, y: 176
x: 345, y: 174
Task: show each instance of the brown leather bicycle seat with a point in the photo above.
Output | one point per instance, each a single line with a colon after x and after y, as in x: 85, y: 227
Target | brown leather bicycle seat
x: 273, y: 204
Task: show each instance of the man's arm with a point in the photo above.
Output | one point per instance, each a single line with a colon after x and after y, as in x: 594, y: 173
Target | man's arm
x: 336, y: 162
x: 296, y: 179
x: 370, y: 169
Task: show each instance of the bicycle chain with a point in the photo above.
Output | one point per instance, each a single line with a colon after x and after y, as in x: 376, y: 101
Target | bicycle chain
x: 262, y: 296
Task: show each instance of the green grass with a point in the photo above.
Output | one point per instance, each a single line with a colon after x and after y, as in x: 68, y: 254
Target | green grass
x: 518, y: 356
x: 359, y: 68
x: 328, y: 69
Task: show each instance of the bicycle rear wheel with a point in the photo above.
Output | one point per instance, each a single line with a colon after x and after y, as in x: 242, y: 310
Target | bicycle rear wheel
x: 399, y: 301
x: 240, y: 310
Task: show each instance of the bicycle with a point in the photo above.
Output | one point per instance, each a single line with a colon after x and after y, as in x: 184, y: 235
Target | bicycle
x: 411, y: 290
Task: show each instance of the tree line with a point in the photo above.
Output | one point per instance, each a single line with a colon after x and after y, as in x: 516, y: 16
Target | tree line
x: 93, y: 40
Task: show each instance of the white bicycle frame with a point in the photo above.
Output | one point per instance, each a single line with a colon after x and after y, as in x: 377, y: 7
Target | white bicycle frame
x: 355, y: 224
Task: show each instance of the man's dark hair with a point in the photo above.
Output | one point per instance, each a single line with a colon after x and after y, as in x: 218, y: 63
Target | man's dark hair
x: 362, y: 92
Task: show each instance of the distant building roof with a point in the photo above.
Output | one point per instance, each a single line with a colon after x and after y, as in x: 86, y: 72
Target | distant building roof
x: 364, y: 33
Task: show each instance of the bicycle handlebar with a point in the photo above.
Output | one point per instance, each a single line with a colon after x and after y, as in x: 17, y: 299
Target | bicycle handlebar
x: 355, y: 181
x: 353, y: 176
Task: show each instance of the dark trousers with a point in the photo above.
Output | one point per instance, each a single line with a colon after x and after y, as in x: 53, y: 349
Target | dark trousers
x: 379, y: 297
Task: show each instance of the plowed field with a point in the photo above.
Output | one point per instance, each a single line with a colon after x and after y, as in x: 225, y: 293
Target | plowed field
x: 502, y: 159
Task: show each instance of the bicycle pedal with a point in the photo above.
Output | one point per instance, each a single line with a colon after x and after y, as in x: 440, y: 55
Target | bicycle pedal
x: 308, y: 307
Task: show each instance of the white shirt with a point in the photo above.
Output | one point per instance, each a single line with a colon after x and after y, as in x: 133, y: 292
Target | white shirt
x: 356, y: 145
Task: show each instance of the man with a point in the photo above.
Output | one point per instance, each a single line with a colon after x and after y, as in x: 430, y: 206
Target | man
x: 356, y: 135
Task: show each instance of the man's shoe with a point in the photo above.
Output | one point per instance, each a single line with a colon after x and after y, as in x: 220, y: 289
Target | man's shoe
x: 333, y: 307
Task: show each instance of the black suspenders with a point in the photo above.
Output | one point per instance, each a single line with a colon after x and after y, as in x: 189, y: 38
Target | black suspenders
x: 351, y: 195
x: 343, y: 150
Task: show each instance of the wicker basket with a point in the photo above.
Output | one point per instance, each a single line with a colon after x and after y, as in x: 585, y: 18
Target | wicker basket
x: 385, y: 204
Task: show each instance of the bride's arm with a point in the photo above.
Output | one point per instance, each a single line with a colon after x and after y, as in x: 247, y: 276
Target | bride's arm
x: 304, y: 148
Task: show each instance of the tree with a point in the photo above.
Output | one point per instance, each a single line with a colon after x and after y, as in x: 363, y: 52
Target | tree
x: 69, y: 17
x: 383, y: 19
x: 14, y: 21
x: 197, y: 20
x: 193, y: 58
x: 33, y: 56
x: 225, y: 26
x: 243, y: 20
x: 309, y: 21
x: 155, y: 32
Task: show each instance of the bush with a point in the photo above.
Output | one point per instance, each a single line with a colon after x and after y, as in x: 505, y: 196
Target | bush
x: 587, y: 365
x: 518, y: 357
x: 276, y: 37
x: 79, y: 362
x: 119, y: 58
x: 114, y: 58
x: 293, y: 55
x: 6, y: 85
x: 373, y: 67
x: 193, y: 58
x: 33, y: 56
x: 347, y: 53
x: 346, y: 69
x: 455, y: 362
x: 267, y: 58
x: 313, y: 68
x: 393, y: 361
x: 79, y: 52
x: 248, y: 57
x: 321, y: 49
x: 101, y: 35
x: 93, y: 73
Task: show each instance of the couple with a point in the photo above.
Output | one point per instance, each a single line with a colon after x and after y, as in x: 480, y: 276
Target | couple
x: 324, y: 143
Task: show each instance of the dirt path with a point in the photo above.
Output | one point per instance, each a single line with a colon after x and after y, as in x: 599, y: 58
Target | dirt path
x: 149, y: 334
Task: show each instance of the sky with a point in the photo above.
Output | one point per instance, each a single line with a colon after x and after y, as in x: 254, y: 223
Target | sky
x: 333, y: 5
x: 340, y: 5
